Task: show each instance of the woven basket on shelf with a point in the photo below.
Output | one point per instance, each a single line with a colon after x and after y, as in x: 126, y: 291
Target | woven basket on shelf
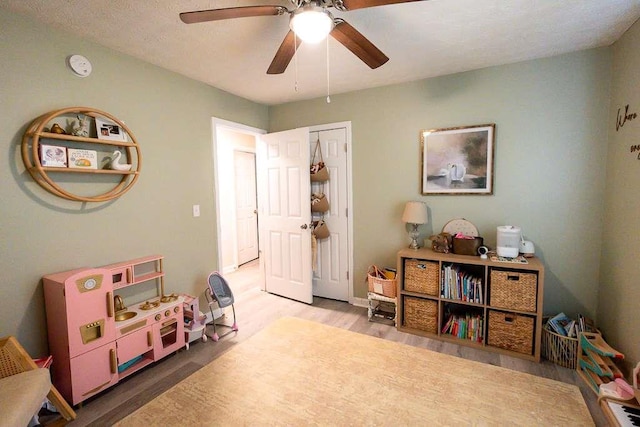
x: 559, y: 349
x: 510, y: 331
x: 421, y: 276
x: 513, y: 290
x: 420, y: 314
x: 380, y: 285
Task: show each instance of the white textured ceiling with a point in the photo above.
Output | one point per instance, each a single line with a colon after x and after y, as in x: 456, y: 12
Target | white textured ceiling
x: 422, y: 39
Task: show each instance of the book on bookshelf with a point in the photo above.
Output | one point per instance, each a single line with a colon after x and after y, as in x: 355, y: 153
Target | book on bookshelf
x: 457, y: 284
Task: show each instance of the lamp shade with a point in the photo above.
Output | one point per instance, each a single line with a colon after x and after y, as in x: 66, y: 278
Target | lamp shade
x: 415, y: 213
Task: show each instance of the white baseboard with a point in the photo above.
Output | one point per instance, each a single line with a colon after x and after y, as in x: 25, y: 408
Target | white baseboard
x: 360, y: 302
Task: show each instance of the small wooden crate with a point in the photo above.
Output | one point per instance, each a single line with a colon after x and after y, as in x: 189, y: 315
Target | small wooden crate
x: 420, y: 313
x: 510, y: 331
x: 421, y: 276
x: 559, y: 349
x: 513, y: 290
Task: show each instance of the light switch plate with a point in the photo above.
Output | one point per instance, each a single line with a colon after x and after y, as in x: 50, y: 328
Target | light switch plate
x: 196, y: 211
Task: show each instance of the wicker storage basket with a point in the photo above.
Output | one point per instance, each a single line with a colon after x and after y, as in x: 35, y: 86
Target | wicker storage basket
x: 510, y: 331
x: 559, y: 349
x: 513, y: 290
x: 420, y: 314
x: 421, y: 276
x: 378, y: 285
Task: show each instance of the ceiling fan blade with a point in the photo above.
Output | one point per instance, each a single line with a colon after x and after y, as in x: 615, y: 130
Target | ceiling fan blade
x: 358, y: 44
x: 284, y: 54
x: 231, y: 12
x: 361, y: 4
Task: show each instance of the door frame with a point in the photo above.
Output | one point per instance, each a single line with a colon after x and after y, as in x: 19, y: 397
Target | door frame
x: 216, y: 124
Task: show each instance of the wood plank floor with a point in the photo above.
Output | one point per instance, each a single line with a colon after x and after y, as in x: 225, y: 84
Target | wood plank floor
x: 255, y: 310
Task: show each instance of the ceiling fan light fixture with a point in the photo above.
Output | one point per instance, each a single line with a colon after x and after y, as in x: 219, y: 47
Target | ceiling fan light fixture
x: 311, y: 23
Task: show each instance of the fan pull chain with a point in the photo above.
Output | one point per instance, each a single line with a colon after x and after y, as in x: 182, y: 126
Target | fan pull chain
x: 295, y: 59
x: 328, y: 92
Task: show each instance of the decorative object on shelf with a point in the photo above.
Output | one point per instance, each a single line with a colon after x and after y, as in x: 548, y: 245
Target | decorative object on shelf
x: 442, y: 242
x: 45, y: 175
x: 53, y: 156
x: 508, y: 239
x: 115, y: 162
x: 458, y: 160
x: 82, y: 127
x: 319, y: 203
x: 109, y: 130
x: 318, y: 171
x: 82, y: 159
x: 465, y: 239
x: 415, y: 214
x: 56, y: 128
x: 527, y: 249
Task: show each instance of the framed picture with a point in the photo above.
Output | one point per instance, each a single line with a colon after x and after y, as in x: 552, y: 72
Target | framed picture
x: 458, y: 160
x: 109, y: 130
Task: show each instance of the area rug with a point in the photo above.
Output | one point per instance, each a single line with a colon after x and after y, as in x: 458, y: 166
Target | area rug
x: 297, y: 372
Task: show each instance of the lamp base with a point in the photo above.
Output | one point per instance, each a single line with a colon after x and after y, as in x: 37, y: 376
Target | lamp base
x: 413, y: 235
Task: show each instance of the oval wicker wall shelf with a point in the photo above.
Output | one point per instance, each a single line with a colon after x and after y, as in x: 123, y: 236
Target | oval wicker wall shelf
x: 38, y: 131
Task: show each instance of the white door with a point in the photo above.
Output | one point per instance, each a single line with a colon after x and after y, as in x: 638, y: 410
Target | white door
x: 246, y: 206
x: 330, y: 276
x: 285, y: 213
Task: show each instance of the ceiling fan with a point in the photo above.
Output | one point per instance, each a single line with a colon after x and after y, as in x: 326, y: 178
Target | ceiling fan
x: 310, y: 21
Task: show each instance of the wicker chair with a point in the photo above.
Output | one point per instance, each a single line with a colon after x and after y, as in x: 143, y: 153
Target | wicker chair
x: 14, y: 361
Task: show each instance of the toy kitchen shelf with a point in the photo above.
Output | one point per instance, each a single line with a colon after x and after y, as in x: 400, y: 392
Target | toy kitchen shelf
x: 466, y: 300
x: 37, y: 134
x: 96, y: 343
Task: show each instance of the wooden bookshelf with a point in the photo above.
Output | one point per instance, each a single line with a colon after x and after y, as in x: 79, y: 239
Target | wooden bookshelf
x: 503, y: 301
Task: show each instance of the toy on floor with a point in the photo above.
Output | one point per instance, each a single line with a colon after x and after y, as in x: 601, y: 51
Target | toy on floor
x: 194, y: 325
x: 218, y: 292
x: 596, y: 363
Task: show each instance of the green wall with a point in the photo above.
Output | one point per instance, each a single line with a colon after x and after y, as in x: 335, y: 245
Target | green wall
x: 170, y: 116
x: 553, y: 119
x: 619, y: 292
x: 551, y: 133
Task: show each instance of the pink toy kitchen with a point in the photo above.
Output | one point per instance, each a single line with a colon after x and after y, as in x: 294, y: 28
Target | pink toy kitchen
x: 108, y: 322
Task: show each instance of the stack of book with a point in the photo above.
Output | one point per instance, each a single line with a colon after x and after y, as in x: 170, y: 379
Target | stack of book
x: 563, y: 325
x: 459, y: 285
x: 467, y: 326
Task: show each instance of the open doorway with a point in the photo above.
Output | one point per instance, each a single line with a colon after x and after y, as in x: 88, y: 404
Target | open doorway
x: 235, y: 189
x: 234, y: 144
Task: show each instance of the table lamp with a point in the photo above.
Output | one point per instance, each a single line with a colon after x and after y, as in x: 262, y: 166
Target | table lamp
x: 415, y: 213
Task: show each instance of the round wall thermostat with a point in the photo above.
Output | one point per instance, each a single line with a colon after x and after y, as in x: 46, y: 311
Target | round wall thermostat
x: 80, y: 65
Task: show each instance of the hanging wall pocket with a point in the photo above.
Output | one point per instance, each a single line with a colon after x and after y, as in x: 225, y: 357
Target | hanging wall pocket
x: 319, y: 202
x: 320, y: 229
x: 318, y: 171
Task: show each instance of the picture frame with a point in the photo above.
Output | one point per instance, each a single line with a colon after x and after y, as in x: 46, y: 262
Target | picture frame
x: 458, y: 160
x: 108, y: 130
